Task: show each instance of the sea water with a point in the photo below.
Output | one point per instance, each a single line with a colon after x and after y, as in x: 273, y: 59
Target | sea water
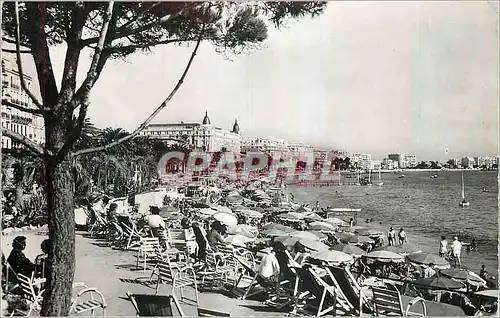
x: 425, y: 207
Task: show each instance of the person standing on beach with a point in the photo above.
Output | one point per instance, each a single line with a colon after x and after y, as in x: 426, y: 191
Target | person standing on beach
x: 402, y: 237
x: 456, y: 250
x: 443, y: 247
x: 391, y: 237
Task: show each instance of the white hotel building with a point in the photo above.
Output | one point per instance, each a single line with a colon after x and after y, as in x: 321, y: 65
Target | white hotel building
x: 201, y: 137
x: 23, y: 123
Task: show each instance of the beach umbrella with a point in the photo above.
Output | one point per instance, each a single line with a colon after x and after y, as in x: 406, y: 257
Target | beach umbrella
x: 399, y: 249
x: 465, y: 275
x: 291, y: 216
x: 385, y: 256
x: 426, y: 259
x: 438, y: 282
x: 332, y: 256
x: 238, y: 240
x: 354, y: 229
x: 234, y: 199
x: 276, y: 230
x: 312, y: 217
x: 287, y: 240
x: 243, y: 229
x: 348, y: 249
x: 344, y: 237
x: 492, y: 293
x: 360, y: 240
x: 220, y: 208
x: 336, y: 221
x: 225, y: 218
x: 320, y: 235
x: 313, y: 245
x: 322, y: 226
x: 369, y: 232
x: 250, y: 213
x: 206, y: 212
x: 302, y: 210
x: 304, y: 235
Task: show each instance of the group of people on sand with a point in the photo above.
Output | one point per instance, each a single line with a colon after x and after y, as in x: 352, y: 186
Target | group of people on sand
x: 20, y: 264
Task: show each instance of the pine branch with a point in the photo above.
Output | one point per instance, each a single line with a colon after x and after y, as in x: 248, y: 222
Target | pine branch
x: 15, y: 51
x: 19, y: 62
x: 153, y: 115
x: 81, y: 96
x: 33, y: 147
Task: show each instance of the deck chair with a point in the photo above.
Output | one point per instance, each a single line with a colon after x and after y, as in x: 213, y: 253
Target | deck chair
x: 155, y: 305
x: 202, y: 312
x: 116, y: 235
x: 388, y: 302
x: 132, y: 234
x: 149, y: 248
x: 175, y: 275
x: 31, y: 293
x: 100, y: 225
x: 329, y: 296
x: 274, y: 288
x: 350, y: 287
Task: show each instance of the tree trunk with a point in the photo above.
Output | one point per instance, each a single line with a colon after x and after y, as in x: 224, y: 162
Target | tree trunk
x: 60, y: 201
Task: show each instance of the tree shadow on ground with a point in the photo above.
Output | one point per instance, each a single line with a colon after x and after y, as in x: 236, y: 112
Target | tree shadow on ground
x: 144, y: 281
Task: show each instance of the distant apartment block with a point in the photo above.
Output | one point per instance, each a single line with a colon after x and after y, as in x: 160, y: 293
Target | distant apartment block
x: 387, y: 164
x: 300, y: 147
x: 270, y: 145
x: 362, y: 161
x: 28, y: 125
x: 410, y: 160
x: 376, y: 165
x: 404, y: 160
x: 468, y: 162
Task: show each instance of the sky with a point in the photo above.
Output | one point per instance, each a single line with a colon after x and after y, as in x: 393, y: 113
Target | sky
x: 370, y: 77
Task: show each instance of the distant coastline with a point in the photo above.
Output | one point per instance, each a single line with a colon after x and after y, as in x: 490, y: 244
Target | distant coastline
x: 418, y: 170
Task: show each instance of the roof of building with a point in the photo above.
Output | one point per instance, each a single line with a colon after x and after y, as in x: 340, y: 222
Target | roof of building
x: 206, y: 120
x: 236, y: 127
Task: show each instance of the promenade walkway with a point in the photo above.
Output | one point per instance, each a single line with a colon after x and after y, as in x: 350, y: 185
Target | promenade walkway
x: 108, y: 270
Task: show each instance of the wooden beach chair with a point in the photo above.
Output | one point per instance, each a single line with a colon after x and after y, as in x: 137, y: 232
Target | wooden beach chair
x: 132, y: 234
x: 274, y: 288
x: 330, y: 294
x: 388, y: 302
x: 155, y: 305
x: 350, y: 287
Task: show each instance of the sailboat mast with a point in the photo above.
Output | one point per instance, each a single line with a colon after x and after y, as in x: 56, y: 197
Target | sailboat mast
x: 379, y: 174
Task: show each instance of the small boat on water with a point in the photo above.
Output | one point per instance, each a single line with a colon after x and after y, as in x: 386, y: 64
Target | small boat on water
x: 486, y: 190
x: 401, y: 176
x: 464, y: 202
x: 434, y: 176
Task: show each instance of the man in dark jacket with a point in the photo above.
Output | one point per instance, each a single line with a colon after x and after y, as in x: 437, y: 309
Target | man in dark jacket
x: 17, y: 260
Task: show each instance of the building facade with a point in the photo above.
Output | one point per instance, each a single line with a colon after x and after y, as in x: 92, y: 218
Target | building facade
x: 264, y: 144
x: 403, y: 160
x: 200, y: 137
x: 468, y: 162
x: 387, y: 164
x: 28, y: 125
